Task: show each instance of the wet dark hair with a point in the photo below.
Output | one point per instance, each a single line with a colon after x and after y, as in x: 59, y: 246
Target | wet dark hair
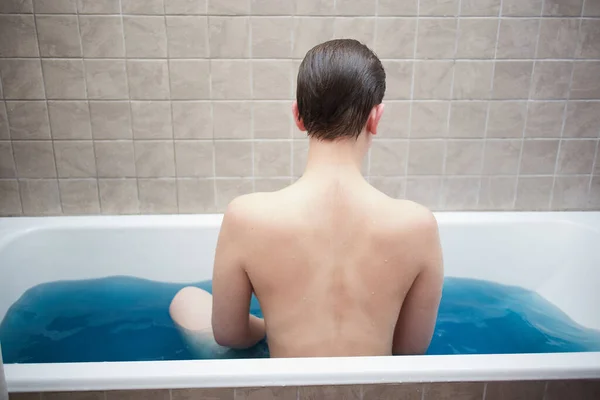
x: 339, y: 83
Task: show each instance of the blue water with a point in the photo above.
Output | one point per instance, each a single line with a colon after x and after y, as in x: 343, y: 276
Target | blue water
x: 127, y: 319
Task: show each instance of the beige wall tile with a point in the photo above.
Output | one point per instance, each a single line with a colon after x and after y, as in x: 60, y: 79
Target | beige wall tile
x: 22, y: 79
x: 272, y: 7
x: 70, y: 119
x: 407, y: 391
x: 433, y: 79
x: 502, y: 157
x: 102, y: 36
x: 593, y: 199
x: 464, y: 157
x: 145, y: 36
x: 192, y: 120
x: 4, y: 130
x: 16, y: 6
x: 590, y: 37
x: 585, y: 84
x: 429, y: 119
x: 401, y: 8
x: 23, y: 27
x: 539, y: 157
x: 98, y: 6
x: 7, y: 162
x: 229, y: 37
x: 558, y: 38
x: 439, y: 7
x: 520, y: 8
x: 388, y: 158
x: 329, y: 392
x: 517, y: 38
x: 358, y: 28
x: 189, y: 79
x: 40, y: 196
x: 562, y: 8
x: 118, y: 196
x: 228, y: 7
x: 544, y: 119
x: 477, y: 38
x: 195, y: 196
x: 551, y: 80
x: 468, y: 119
x: 185, y: 6
x: 355, y: 7
x: 424, y: 190
x: 34, y: 159
x: 272, y: 158
x: 457, y: 390
x: 511, y: 79
x: 395, y: 120
x: 426, y: 157
x: 405, y: 29
x: 151, y: 120
x: 310, y: 31
x: 391, y: 186
x: 154, y: 158
x: 473, y: 79
x: 157, y: 196
x: 480, y: 8
x: 28, y: 120
x: 227, y: 190
x: 458, y: 193
x: 148, y: 79
x: 570, y: 193
x: 575, y: 156
x: 79, y: 197
x: 573, y: 389
x: 64, y: 79
x: 231, y: 79
x: 591, y: 9
x: 272, y: 119
x: 142, y: 6
x: 271, y: 184
x: 10, y: 200
x: 106, y: 79
x: 506, y: 119
x: 115, y: 159
x: 232, y: 120
x: 111, y: 119
x: 233, y: 159
x: 315, y: 7
x: 271, y: 37
x: 187, y: 36
x: 497, y: 193
x: 194, y: 158
x: 436, y: 38
x: 582, y: 120
x: 300, y: 156
x: 53, y: 6
x: 399, y: 75
x: 58, y: 35
x: 75, y: 159
x: 272, y: 80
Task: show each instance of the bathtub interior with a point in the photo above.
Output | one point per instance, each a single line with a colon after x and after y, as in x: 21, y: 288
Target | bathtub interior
x: 556, y: 257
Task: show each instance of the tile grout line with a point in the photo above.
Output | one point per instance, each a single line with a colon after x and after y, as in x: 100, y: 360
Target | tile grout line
x: 12, y: 148
x: 49, y: 124
x: 529, y: 96
x: 375, y: 30
x: 411, y: 101
x: 212, y: 114
x: 485, y: 386
x: 565, y: 112
x: 89, y: 108
x: 251, y: 62
x: 294, y: 79
x: 487, y: 115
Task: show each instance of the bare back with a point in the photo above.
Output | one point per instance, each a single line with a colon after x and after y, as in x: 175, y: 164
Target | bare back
x: 332, y: 264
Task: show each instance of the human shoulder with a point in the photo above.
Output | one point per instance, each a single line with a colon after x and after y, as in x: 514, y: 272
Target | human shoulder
x: 250, y: 209
x: 413, y: 215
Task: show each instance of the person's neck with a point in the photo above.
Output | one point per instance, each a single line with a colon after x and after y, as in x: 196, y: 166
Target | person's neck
x: 336, y: 159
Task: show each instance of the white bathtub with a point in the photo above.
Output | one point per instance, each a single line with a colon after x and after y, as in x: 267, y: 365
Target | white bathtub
x: 555, y: 254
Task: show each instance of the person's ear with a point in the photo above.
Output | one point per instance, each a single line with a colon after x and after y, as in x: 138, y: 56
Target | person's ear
x: 374, y: 118
x: 297, y: 118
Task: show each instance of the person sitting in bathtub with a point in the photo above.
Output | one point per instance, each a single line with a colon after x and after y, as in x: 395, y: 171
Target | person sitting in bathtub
x: 339, y: 268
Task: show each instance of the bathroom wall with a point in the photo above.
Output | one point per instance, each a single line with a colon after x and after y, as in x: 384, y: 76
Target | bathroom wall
x: 167, y: 106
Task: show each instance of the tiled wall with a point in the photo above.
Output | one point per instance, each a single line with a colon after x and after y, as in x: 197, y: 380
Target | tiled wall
x: 554, y: 390
x: 166, y: 106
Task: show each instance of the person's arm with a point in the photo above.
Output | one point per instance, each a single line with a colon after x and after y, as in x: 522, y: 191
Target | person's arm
x: 233, y: 326
x: 416, y: 322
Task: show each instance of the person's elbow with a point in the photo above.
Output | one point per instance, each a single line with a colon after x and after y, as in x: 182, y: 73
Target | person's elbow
x: 230, y: 337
